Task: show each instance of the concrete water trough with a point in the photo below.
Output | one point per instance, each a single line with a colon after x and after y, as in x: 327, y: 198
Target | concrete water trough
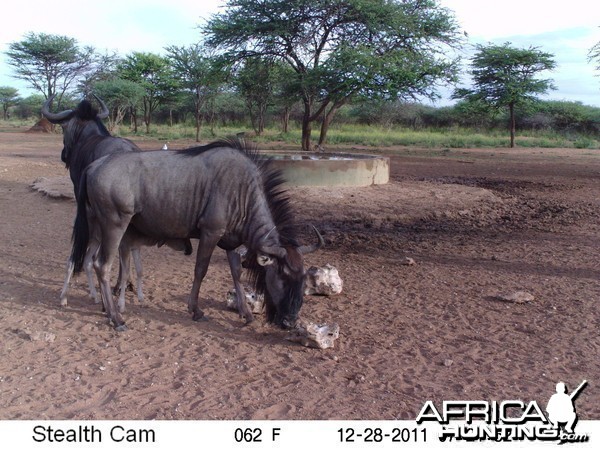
x: 331, y: 169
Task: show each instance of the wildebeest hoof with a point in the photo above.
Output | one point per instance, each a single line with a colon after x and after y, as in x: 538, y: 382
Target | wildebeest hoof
x: 121, y: 327
x: 198, y: 315
x: 63, y: 302
x: 249, y: 320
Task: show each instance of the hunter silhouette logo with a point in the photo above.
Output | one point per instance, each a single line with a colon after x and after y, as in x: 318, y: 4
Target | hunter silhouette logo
x: 561, y: 407
x: 508, y: 420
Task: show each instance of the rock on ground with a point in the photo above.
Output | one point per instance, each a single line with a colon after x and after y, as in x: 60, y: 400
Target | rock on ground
x: 315, y: 335
x: 323, y: 281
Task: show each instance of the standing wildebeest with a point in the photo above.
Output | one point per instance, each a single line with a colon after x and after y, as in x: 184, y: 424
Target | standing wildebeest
x: 221, y: 194
x: 86, y: 139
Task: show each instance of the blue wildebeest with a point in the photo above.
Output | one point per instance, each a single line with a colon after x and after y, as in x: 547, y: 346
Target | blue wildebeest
x: 222, y: 194
x: 86, y: 139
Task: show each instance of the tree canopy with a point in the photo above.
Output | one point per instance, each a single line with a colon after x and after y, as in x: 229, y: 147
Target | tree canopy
x: 49, y: 63
x: 344, y: 48
x: 154, y: 74
x: 120, y: 96
x: 199, y: 73
x: 8, y: 97
x: 505, y: 76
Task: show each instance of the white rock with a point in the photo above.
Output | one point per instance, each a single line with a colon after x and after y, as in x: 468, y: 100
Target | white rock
x: 516, y: 297
x: 323, y: 281
x: 315, y: 335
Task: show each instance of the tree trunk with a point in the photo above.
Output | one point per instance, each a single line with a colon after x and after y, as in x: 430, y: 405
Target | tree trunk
x: 197, y: 113
x: 261, y: 118
x: 133, y: 114
x: 327, y: 120
x: 198, y: 125
x: 147, y: 114
x: 306, y: 126
x: 285, y: 119
x: 511, y: 108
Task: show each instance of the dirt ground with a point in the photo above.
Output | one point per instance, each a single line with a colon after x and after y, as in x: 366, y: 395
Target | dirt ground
x: 477, y: 222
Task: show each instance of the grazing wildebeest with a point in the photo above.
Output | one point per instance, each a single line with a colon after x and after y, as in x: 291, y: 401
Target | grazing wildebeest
x: 221, y: 194
x: 86, y: 139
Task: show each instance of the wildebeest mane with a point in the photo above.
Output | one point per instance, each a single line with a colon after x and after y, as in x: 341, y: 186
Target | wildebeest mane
x: 281, y: 211
x: 239, y: 144
x: 272, y: 182
x: 279, y: 205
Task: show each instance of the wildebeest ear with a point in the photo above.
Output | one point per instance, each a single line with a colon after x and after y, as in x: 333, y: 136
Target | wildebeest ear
x: 264, y: 260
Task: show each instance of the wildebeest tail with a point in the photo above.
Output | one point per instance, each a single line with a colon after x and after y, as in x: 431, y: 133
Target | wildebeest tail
x: 81, y: 232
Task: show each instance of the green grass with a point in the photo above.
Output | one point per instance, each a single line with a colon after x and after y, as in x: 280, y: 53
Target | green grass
x: 444, y: 138
x: 373, y: 136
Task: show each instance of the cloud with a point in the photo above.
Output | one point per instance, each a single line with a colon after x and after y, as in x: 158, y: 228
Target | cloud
x: 110, y: 25
x: 488, y: 19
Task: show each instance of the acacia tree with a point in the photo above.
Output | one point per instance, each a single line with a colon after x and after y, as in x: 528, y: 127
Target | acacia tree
x: 49, y: 63
x: 199, y: 73
x: 257, y: 82
x: 9, y: 96
x: 103, y: 69
x: 504, y: 77
x: 153, y: 73
x: 286, y: 94
x: 343, y: 48
x: 120, y: 97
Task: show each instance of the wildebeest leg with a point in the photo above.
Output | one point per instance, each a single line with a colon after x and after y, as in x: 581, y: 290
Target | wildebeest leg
x: 137, y: 262
x: 117, y: 287
x: 235, y: 264
x: 63, y: 293
x: 88, y: 264
x: 111, y: 237
x: 125, y: 253
x: 124, y: 261
x: 206, y: 245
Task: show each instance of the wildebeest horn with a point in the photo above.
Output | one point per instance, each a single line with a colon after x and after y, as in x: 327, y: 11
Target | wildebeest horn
x: 305, y: 249
x: 55, y: 117
x: 104, y: 113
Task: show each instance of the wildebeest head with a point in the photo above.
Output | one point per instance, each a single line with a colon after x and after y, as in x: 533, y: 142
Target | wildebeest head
x: 283, y: 280
x: 76, y: 123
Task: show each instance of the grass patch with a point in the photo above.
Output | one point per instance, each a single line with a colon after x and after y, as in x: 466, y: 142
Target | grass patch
x: 434, y: 138
x: 363, y: 135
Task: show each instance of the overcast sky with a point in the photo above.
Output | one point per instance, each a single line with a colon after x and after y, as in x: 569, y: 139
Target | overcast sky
x: 565, y: 29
